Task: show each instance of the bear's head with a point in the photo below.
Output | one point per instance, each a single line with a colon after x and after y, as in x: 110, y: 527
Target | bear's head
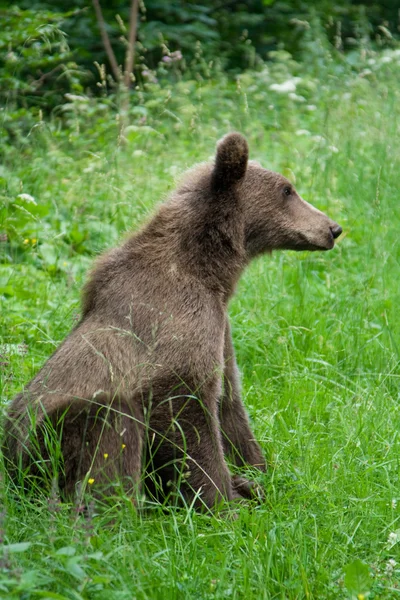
x: 275, y: 216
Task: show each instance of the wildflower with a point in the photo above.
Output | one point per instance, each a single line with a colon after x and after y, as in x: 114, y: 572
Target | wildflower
x: 27, y: 198
x: 123, y: 446
x: 296, y: 97
x: 333, y: 149
x: 393, y: 538
x: 105, y: 455
x: 172, y: 57
x: 26, y: 241
x: 390, y: 565
x: 394, y: 503
x: 91, y: 481
x: 33, y: 240
x: 285, y: 87
x: 177, y: 55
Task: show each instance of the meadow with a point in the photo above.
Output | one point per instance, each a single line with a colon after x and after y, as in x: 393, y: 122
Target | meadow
x: 316, y: 334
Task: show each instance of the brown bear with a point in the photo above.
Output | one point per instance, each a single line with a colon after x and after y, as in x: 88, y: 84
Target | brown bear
x: 147, y: 384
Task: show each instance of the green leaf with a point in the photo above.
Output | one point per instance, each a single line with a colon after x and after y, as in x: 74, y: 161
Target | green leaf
x: 357, y: 579
x: 50, y: 595
x: 48, y: 253
x: 75, y: 569
x: 66, y: 551
x: 20, y: 547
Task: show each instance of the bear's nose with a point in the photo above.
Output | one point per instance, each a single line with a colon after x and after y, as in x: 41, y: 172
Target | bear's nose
x: 336, y: 230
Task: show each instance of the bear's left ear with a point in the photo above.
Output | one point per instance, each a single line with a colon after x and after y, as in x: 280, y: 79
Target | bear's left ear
x: 230, y: 160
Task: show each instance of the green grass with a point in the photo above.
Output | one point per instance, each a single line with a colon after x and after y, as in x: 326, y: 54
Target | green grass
x: 317, y: 339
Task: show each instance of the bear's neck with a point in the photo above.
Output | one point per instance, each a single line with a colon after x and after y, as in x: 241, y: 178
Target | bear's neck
x: 208, y: 244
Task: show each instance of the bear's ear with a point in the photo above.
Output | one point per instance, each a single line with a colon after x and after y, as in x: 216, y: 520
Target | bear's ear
x: 230, y: 160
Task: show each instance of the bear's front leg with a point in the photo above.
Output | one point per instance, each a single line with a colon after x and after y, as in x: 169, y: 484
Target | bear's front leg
x: 238, y: 439
x: 208, y: 473
x: 188, y: 455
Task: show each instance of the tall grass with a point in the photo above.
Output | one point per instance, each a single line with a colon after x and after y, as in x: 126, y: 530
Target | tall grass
x: 316, y: 335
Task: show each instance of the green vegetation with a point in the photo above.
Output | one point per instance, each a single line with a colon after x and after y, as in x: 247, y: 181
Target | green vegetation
x: 317, y: 335
x: 53, y: 48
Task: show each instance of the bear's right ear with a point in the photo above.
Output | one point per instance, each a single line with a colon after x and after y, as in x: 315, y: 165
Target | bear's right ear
x: 230, y: 160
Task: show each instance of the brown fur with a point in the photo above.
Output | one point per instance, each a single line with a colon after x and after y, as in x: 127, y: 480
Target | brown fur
x: 137, y: 385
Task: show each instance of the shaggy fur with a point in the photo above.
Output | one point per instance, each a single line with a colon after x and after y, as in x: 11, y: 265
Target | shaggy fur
x: 147, y: 381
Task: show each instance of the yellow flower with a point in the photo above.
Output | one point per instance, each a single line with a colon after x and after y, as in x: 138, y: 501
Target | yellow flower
x: 34, y: 240
x: 123, y: 446
x: 105, y: 455
x: 360, y: 597
x: 90, y: 481
x: 26, y: 241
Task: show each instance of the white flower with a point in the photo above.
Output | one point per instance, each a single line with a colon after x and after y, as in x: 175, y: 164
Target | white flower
x: 27, y: 197
x: 296, y: 97
x: 311, y: 107
x: 386, y: 59
x: 394, y: 503
x: 393, y: 538
x: 318, y: 138
x: 285, y: 87
x: 333, y: 149
x: 390, y: 565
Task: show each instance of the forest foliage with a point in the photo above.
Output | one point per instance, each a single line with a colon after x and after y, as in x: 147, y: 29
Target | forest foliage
x: 52, y: 49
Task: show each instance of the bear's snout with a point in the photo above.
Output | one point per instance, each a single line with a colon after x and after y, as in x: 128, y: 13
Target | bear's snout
x: 336, y: 230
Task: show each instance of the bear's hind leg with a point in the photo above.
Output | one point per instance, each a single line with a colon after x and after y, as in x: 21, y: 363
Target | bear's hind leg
x: 102, y: 447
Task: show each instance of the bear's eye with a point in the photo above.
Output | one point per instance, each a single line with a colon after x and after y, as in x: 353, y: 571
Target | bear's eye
x: 287, y: 190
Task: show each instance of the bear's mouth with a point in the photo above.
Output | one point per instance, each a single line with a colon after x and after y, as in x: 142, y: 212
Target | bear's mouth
x: 325, y: 242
